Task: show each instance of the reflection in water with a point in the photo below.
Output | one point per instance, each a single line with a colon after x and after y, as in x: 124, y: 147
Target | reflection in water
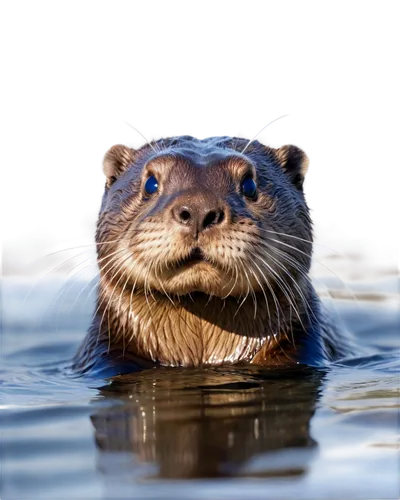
x: 182, y: 423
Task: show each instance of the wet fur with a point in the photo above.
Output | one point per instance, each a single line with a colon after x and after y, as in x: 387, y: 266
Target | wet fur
x: 249, y: 301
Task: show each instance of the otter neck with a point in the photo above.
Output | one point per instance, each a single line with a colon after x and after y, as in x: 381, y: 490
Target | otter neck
x: 190, y: 330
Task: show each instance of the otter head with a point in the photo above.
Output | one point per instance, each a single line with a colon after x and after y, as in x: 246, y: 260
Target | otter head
x: 183, y: 215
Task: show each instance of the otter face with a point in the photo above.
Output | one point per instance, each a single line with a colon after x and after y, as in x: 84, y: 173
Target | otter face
x: 183, y: 215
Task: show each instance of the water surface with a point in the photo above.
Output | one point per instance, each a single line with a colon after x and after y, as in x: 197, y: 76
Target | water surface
x: 187, y: 433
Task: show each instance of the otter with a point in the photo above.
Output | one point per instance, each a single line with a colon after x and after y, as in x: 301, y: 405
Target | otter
x: 204, y: 251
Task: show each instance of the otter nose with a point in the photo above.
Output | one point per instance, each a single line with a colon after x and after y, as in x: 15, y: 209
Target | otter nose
x: 198, y: 216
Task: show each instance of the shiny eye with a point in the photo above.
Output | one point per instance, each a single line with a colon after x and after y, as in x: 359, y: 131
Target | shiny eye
x: 151, y: 185
x: 249, y: 187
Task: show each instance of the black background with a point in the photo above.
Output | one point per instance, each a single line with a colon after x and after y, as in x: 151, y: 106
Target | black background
x: 61, y: 187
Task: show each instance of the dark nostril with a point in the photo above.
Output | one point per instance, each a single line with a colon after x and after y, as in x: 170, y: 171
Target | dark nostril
x: 184, y: 215
x: 213, y: 217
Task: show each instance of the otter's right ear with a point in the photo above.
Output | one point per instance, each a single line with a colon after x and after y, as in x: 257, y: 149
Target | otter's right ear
x: 294, y: 162
x: 116, y: 161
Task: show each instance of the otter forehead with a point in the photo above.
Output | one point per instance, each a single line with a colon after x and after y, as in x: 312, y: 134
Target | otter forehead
x: 183, y: 168
x: 200, y: 153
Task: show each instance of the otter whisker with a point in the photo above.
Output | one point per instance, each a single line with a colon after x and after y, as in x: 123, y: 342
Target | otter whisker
x: 234, y: 284
x: 77, y: 274
x: 118, y: 311
x: 320, y: 263
x: 208, y: 300
x: 284, y: 352
x: 330, y: 296
x: 287, y: 293
x: 265, y: 296
x: 67, y: 249
x: 292, y: 340
x: 297, y: 265
x: 116, y: 261
x: 248, y: 289
x: 284, y: 269
x: 96, y: 244
x: 262, y: 130
x: 266, y: 299
x: 251, y: 288
x: 162, y: 286
x: 100, y: 270
x: 294, y: 264
x: 143, y: 137
x: 149, y: 287
x: 292, y: 304
x: 150, y: 272
x: 107, y: 308
x: 48, y: 273
x: 130, y: 314
x: 155, y: 267
x: 283, y: 287
x: 240, y: 299
x: 66, y: 281
x: 305, y: 240
x: 95, y: 276
x: 274, y: 297
x: 145, y: 288
x: 64, y: 289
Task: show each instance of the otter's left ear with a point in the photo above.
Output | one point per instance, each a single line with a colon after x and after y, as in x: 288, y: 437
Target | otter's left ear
x: 294, y: 162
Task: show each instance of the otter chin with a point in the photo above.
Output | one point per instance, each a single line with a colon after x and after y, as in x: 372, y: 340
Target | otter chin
x: 197, y: 272
x: 204, y: 250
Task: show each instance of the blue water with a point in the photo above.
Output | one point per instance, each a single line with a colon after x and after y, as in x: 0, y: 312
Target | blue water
x: 181, y: 433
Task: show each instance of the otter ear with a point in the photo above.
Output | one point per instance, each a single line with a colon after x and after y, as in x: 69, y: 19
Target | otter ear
x: 116, y: 161
x: 294, y: 162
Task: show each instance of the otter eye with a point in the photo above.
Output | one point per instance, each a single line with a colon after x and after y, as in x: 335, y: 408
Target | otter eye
x: 151, y: 185
x: 249, y: 187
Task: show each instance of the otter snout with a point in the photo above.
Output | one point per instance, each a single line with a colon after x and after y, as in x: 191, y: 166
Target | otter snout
x: 198, y: 212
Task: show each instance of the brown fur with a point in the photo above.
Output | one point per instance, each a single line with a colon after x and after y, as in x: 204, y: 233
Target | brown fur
x: 228, y: 284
